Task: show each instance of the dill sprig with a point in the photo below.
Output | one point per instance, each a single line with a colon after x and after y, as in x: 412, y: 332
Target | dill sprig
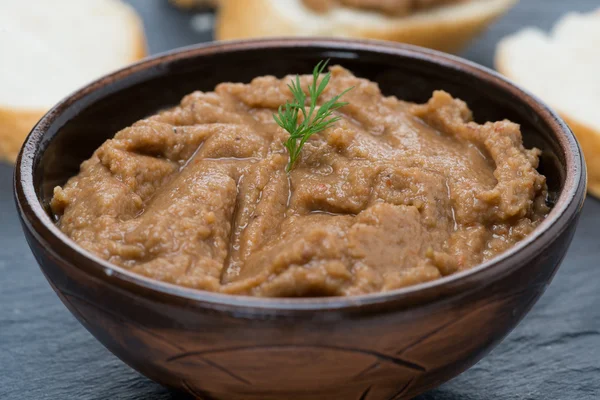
x: 314, y: 120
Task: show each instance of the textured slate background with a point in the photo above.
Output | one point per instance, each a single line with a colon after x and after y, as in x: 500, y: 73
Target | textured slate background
x: 553, y: 354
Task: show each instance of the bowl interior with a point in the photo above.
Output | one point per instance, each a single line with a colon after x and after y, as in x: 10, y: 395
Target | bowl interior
x: 114, y: 103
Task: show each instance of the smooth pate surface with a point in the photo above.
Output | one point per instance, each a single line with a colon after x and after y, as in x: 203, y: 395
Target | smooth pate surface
x: 392, y: 195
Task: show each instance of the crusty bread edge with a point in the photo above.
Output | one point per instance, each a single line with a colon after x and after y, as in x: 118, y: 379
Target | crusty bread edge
x: 588, y: 137
x: 237, y: 19
x: 141, y: 46
x: 14, y: 127
x: 589, y: 140
x: 16, y: 123
x: 195, y: 3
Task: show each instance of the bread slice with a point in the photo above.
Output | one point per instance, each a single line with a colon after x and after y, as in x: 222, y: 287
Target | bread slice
x: 446, y: 28
x: 562, y: 68
x: 50, y: 48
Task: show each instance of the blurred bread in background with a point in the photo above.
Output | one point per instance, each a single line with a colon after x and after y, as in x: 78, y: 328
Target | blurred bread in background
x: 51, y: 48
x: 195, y: 3
x: 445, y: 25
x: 563, y: 68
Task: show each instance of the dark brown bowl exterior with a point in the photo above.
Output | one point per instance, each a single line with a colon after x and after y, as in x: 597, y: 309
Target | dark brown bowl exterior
x: 387, y: 346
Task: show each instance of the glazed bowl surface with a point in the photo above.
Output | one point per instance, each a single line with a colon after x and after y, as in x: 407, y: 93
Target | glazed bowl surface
x: 391, y: 345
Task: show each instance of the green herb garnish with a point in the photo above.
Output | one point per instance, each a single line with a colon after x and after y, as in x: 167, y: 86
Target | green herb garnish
x: 313, y: 121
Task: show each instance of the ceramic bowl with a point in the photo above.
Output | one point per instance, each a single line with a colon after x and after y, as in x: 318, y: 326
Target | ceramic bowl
x: 385, y: 346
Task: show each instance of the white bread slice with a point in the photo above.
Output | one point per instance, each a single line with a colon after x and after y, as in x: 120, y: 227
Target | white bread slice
x: 50, y: 48
x: 562, y: 68
x: 446, y: 28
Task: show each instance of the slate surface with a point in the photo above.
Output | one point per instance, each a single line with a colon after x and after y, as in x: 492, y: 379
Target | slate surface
x: 553, y: 354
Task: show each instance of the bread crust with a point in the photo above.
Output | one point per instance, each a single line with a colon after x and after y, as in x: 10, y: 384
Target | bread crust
x: 238, y: 19
x: 589, y: 140
x: 195, y: 3
x: 141, y: 44
x: 15, y: 124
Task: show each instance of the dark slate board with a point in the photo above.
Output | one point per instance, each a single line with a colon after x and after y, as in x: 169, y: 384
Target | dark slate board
x: 553, y: 354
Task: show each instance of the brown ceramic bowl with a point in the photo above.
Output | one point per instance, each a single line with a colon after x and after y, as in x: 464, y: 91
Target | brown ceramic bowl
x: 384, y: 346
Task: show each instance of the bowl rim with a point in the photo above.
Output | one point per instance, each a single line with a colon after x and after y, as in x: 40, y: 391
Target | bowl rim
x: 44, y: 230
